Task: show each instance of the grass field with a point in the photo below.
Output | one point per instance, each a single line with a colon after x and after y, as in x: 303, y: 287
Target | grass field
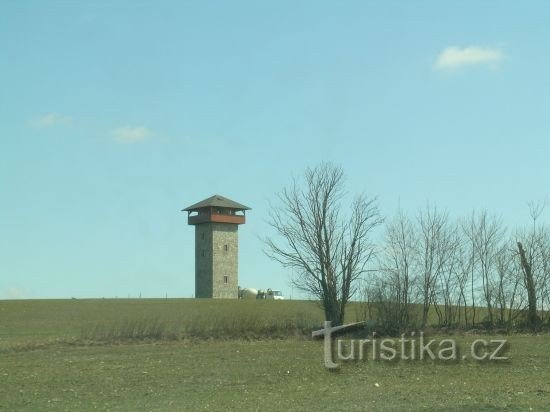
x: 100, y: 354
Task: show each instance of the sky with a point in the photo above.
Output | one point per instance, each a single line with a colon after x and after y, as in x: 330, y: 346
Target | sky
x: 115, y: 115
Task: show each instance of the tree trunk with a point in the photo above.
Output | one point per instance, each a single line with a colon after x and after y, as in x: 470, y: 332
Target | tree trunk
x: 532, y: 317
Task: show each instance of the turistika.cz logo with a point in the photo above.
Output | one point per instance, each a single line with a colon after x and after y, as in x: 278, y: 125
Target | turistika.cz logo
x: 408, y: 347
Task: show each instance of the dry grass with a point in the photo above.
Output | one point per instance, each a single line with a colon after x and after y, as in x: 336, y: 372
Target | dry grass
x: 219, y: 355
x: 28, y: 324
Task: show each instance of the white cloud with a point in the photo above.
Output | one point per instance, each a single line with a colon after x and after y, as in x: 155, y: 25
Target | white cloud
x: 129, y: 134
x: 456, y: 57
x: 49, y: 120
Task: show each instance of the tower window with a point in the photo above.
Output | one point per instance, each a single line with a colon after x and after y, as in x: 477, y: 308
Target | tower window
x: 225, y: 247
x: 202, y: 253
x: 226, y: 279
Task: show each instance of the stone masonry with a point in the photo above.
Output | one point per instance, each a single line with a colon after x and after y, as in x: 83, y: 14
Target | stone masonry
x: 216, y: 260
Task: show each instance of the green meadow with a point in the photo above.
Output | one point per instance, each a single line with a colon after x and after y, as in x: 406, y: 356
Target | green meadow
x: 184, y: 354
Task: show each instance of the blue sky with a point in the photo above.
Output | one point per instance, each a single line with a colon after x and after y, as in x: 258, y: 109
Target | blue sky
x: 116, y: 115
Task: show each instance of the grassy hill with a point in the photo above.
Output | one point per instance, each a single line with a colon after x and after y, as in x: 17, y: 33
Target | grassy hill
x: 42, y: 321
x: 142, y: 354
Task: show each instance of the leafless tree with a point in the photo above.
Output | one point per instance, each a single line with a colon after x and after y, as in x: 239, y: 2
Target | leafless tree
x: 527, y: 267
x: 448, y: 283
x: 544, y: 277
x: 508, y: 297
x: 396, y: 274
x: 486, y: 234
x: 436, y: 246
x: 465, y: 263
x: 533, y: 248
x: 470, y: 261
x: 327, y: 250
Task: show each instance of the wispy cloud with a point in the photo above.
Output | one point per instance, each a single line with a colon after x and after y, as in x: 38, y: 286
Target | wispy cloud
x: 49, y: 120
x: 453, y: 58
x: 129, y: 134
x: 14, y: 292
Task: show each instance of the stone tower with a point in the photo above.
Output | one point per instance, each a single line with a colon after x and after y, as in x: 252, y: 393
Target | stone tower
x: 216, y: 221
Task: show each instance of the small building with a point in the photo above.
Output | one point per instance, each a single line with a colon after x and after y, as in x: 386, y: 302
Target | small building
x: 216, y: 222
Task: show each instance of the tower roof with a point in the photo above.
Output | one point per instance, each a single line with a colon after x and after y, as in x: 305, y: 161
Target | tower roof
x: 216, y: 201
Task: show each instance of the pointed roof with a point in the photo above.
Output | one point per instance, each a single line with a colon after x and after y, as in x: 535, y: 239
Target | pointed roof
x: 216, y: 201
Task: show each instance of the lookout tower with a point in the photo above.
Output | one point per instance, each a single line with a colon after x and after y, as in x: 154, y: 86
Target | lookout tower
x: 216, y: 221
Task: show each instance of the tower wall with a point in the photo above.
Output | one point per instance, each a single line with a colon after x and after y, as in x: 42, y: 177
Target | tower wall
x: 216, y: 260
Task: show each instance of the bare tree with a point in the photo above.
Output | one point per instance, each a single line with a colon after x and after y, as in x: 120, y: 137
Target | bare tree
x: 486, y: 234
x: 449, y: 286
x: 464, y: 271
x: 508, y: 298
x: 396, y: 274
x: 470, y: 261
x: 327, y: 250
x: 533, y: 254
x: 527, y: 268
x: 436, y: 247
x: 544, y: 277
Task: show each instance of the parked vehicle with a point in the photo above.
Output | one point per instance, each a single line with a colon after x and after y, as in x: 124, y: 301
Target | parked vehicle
x: 248, y: 293
x: 269, y: 294
x: 275, y: 294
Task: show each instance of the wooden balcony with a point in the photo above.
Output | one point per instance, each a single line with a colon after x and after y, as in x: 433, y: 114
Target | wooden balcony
x: 216, y: 218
